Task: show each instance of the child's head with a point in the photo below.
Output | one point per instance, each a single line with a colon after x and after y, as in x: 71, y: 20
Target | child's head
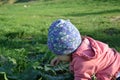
x: 63, y: 37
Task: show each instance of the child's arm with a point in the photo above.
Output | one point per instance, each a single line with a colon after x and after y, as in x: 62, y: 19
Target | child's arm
x: 83, y: 69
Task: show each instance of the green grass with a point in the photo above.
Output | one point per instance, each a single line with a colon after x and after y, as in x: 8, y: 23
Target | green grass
x: 23, y: 34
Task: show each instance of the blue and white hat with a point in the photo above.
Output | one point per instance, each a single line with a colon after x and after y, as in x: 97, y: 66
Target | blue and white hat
x: 63, y: 37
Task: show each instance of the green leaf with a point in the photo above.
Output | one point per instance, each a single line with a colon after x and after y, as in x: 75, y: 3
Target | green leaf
x: 3, y: 76
x: 94, y: 77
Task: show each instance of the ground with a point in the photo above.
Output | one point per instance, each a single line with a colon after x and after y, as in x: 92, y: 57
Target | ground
x: 24, y: 54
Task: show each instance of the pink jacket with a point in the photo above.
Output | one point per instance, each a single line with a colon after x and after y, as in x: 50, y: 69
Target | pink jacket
x: 95, y: 57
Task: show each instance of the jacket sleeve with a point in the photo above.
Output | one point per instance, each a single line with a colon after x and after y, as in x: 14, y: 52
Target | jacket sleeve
x: 83, y: 69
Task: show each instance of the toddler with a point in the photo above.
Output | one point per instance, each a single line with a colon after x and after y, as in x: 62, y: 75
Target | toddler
x: 86, y: 55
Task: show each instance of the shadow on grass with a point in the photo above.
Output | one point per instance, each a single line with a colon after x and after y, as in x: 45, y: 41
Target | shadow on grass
x: 24, y: 1
x: 110, y: 36
x: 16, y: 40
x: 94, y: 13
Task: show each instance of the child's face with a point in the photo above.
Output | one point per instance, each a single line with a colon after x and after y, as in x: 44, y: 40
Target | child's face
x: 65, y: 58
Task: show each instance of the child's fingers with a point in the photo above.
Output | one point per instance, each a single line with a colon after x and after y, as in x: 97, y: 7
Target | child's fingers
x: 57, y: 62
x: 54, y: 61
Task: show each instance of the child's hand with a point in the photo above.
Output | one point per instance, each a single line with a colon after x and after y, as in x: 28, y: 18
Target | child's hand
x: 55, y: 61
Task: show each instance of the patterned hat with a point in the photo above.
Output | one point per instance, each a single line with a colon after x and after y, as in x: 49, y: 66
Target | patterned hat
x: 63, y: 37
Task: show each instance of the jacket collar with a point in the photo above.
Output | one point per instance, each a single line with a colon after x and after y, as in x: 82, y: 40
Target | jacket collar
x: 88, y: 44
